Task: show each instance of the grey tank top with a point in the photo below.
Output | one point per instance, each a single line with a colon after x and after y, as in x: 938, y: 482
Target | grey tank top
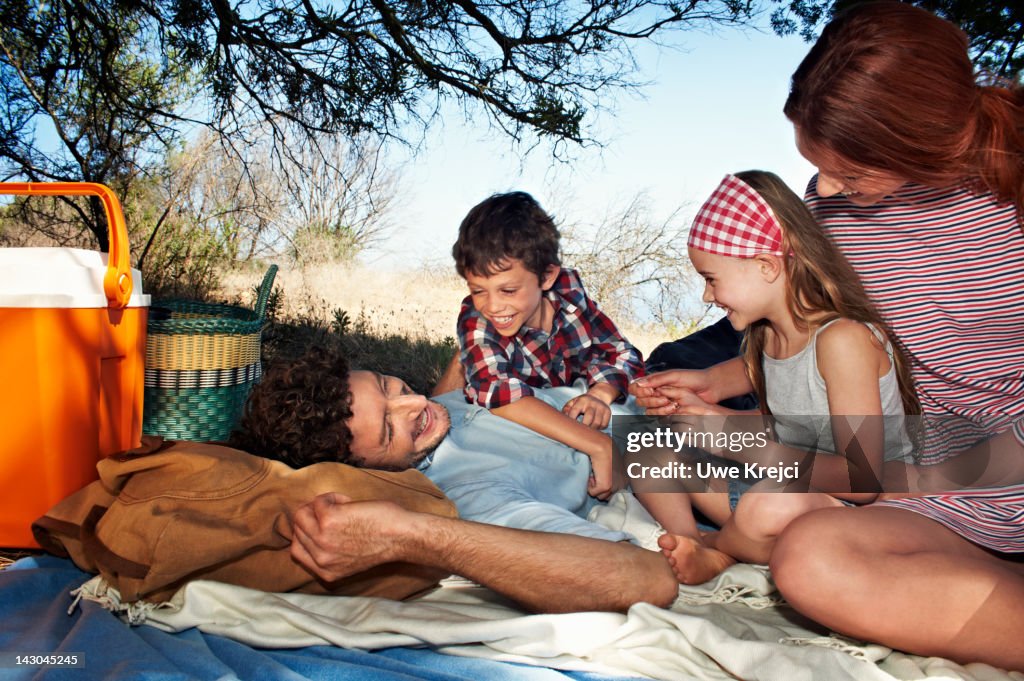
x: 799, y: 403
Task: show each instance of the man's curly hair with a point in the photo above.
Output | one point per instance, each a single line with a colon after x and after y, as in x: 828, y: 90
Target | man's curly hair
x: 298, y: 412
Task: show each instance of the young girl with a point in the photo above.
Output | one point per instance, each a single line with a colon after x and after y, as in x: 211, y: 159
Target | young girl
x: 814, y: 346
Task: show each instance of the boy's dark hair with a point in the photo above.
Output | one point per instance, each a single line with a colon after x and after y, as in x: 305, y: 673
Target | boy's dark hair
x: 506, y: 226
x: 298, y: 412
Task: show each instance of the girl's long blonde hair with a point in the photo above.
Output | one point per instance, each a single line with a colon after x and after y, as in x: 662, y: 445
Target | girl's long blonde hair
x: 820, y: 280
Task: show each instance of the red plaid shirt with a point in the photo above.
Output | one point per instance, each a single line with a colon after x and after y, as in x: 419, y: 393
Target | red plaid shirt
x: 583, y: 343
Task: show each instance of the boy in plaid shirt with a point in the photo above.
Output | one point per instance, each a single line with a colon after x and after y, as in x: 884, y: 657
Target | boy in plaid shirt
x: 528, y: 323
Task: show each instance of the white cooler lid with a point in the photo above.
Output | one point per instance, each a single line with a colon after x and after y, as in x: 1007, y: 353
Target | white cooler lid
x: 58, y: 278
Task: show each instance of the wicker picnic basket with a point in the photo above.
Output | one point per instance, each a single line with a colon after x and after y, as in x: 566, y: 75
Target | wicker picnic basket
x: 202, y: 360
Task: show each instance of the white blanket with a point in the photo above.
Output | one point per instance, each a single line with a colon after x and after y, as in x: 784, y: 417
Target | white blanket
x: 734, y: 627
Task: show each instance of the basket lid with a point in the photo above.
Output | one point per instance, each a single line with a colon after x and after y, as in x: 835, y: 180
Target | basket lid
x: 58, y: 278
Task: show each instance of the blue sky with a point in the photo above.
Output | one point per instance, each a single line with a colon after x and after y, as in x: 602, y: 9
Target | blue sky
x: 713, y: 106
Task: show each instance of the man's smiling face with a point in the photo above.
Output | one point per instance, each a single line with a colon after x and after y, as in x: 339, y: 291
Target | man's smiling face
x: 392, y: 427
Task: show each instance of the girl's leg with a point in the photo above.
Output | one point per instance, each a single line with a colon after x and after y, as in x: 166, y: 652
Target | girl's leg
x: 672, y: 510
x: 895, y: 577
x: 692, y: 560
x: 760, y: 517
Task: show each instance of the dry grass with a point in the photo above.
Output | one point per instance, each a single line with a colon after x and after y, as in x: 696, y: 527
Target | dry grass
x: 417, y: 304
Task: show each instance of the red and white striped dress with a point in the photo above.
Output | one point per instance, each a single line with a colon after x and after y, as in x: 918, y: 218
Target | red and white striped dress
x: 946, y: 269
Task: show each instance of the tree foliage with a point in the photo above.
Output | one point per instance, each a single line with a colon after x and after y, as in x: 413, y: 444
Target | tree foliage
x: 325, y: 201
x: 367, y: 65
x: 333, y: 197
x: 93, y: 89
x: 995, y: 29
x: 361, y: 66
x: 206, y: 205
x: 82, y: 74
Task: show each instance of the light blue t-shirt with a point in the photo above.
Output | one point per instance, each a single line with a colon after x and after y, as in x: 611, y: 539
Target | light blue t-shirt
x: 502, y: 473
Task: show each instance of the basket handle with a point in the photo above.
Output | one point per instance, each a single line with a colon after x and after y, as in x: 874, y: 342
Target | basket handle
x: 117, y: 282
x: 265, y: 288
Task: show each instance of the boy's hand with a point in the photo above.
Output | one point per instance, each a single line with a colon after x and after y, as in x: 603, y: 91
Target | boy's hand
x: 595, y: 413
x: 606, y: 478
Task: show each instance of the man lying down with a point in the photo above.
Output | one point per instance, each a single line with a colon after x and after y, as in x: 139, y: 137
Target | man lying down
x: 522, y: 498
x: 495, y: 471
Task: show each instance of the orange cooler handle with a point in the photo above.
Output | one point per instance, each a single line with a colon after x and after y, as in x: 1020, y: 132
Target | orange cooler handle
x: 117, y: 282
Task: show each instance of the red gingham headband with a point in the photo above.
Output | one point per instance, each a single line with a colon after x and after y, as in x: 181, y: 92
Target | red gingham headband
x: 736, y: 222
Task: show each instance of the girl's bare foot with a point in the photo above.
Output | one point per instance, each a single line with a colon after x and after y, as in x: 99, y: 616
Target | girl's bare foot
x: 692, y: 561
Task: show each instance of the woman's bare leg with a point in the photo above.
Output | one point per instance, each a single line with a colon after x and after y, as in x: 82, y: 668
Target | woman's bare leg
x: 895, y: 577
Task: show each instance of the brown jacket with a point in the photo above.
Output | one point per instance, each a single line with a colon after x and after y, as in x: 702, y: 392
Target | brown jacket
x: 170, y: 512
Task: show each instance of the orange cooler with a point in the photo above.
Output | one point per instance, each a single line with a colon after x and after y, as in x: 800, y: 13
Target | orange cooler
x: 72, y: 354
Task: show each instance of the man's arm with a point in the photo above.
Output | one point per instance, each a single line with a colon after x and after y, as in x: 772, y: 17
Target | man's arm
x: 543, y: 572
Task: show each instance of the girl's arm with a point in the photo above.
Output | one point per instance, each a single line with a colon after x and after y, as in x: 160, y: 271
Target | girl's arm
x: 851, y: 359
x: 657, y: 392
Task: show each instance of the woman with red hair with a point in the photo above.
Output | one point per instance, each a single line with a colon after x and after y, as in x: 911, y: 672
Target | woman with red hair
x: 921, y: 185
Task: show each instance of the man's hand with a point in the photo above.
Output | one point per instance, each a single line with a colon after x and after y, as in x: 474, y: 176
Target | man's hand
x: 334, y: 537
x: 588, y: 410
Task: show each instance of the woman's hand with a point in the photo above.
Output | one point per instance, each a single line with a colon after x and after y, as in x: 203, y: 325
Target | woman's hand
x: 685, y: 401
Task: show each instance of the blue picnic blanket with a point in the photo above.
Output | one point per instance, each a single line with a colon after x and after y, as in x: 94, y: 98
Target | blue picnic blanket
x: 34, y: 619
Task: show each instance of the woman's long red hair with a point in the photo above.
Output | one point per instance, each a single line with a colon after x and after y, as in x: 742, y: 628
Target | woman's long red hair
x: 889, y: 86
